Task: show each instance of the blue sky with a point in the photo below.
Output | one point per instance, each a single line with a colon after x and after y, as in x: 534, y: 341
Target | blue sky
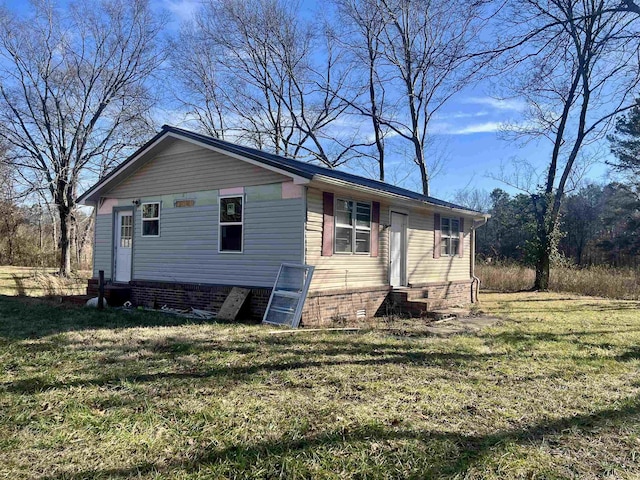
x: 466, y: 131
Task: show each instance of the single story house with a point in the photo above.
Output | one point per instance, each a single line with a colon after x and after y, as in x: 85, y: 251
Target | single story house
x: 187, y: 217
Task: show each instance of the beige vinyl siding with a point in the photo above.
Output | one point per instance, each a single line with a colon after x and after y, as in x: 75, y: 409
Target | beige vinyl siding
x: 355, y: 271
x: 102, y: 245
x: 421, y: 266
x: 342, y: 270
x: 184, y: 167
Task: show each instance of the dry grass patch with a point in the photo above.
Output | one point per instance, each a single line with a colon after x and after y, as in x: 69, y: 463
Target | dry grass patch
x: 40, y: 282
x: 552, y: 392
x: 601, y: 281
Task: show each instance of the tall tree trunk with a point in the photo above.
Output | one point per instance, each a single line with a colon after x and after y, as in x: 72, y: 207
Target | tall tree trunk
x: 375, y: 115
x: 55, y: 243
x: 424, y: 175
x: 543, y: 270
x: 544, y: 229
x: 65, y: 241
x: 73, y: 238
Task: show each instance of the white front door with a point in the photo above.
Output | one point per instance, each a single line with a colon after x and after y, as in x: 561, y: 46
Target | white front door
x: 122, y: 247
x: 398, y: 255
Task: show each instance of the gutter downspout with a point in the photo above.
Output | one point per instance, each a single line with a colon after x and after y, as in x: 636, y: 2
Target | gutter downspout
x: 475, y: 281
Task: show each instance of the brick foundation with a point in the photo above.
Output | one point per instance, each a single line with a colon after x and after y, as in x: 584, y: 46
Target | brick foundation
x: 324, y: 308
x: 184, y: 295
x: 342, y: 306
x: 204, y: 297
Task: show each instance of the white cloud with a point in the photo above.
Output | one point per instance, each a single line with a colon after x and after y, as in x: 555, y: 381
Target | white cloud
x: 486, y: 127
x: 184, y: 10
x: 505, y: 104
x: 458, y: 115
x: 444, y: 128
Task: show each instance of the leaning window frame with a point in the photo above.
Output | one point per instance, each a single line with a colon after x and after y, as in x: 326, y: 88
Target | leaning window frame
x: 354, y: 225
x: 446, y: 238
x: 221, y: 224
x: 143, y: 219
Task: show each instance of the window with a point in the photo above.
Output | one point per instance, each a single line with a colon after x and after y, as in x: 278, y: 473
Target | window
x: 353, y: 227
x: 126, y: 230
x: 151, y: 219
x: 230, y: 233
x: 450, y: 236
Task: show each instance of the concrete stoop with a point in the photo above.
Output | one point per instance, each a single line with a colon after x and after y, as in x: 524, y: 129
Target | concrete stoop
x: 415, y: 302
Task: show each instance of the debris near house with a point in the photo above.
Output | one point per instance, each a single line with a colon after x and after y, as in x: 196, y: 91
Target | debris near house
x: 204, y: 314
x: 233, y: 304
x: 192, y: 313
x: 307, y: 330
x: 93, y: 302
x: 447, y: 313
x: 288, y: 295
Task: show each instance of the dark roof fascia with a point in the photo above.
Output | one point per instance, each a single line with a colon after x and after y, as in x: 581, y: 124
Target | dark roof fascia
x: 120, y: 167
x: 309, y: 170
x: 288, y: 165
x: 275, y: 161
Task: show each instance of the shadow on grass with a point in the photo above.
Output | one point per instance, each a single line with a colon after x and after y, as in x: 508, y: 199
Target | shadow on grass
x: 223, y: 373
x: 632, y: 354
x: 462, y: 451
x: 573, y: 336
x: 20, y: 286
x: 24, y: 317
x: 619, y: 306
x: 586, y: 344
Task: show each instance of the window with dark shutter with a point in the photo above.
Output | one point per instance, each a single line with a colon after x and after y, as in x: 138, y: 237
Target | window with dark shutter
x: 375, y: 228
x: 436, y: 235
x: 327, y: 224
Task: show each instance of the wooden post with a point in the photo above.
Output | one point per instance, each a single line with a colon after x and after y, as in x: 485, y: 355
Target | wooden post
x: 100, y: 289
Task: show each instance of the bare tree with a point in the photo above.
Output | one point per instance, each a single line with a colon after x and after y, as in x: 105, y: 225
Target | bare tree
x: 427, y: 47
x: 202, y: 92
x: 576, y: 64
x: 259, y: 73
x: 73, y: 94
x: 473, y: 198
x: 10, y: 215
x: 362, y: 38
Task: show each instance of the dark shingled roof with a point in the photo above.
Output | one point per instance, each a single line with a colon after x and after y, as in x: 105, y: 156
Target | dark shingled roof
x: 295, y: 167
x: 308, y: 170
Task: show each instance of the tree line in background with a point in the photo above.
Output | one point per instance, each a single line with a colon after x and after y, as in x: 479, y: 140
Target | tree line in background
x: 362, y: 80
x: 29, y: 233
x: 599, y: 224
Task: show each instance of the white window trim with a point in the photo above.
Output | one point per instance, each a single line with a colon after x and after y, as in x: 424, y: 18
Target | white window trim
x: 221, y: 224
x: 149, y: 219
x: 444, y: 237
x: 353, y: 227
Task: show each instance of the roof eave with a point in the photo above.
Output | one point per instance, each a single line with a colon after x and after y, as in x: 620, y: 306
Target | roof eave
x: 407, y: 200
x: 92, y: 195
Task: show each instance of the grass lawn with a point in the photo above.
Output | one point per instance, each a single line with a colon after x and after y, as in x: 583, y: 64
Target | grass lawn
x: 551, y: 392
